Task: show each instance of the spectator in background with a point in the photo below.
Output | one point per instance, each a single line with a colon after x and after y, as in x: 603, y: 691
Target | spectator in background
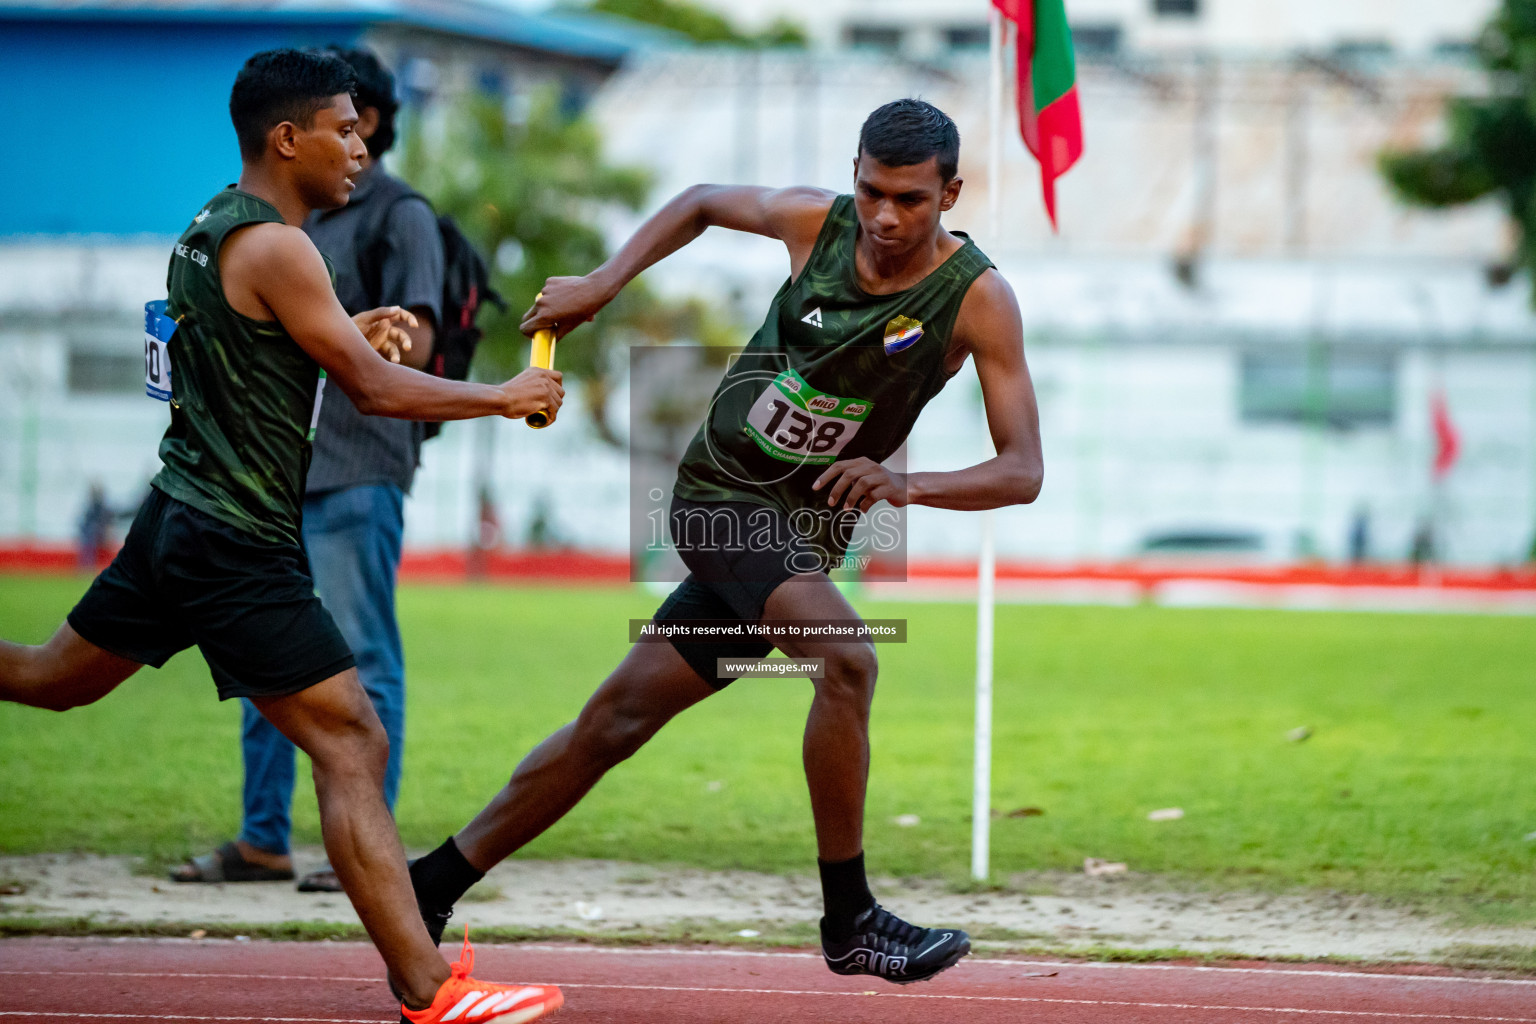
x: 386, y: 250
x: 92, y: 533
x: 1360, y: 535
x: 1421, y: 550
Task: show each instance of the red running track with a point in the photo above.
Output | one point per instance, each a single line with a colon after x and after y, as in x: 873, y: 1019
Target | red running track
x: 105, y: 980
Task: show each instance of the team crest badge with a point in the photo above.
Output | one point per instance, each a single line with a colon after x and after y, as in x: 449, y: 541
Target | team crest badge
x: 901, y: 334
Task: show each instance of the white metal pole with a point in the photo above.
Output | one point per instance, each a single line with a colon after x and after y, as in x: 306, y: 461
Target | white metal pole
x: 981, y: 797
x: 981, y: 791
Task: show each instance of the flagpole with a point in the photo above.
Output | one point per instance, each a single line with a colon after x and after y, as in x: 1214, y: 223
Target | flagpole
x: 981, y: 789
x: 995, y: 124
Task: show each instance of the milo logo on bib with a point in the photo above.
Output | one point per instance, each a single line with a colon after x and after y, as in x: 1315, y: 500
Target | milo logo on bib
x: 794, y: 422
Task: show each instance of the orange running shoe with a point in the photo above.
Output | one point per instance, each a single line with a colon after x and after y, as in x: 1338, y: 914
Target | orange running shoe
x: 463, y: 1000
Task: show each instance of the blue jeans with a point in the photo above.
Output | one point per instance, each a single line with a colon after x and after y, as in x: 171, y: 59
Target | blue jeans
x: 352, y: 536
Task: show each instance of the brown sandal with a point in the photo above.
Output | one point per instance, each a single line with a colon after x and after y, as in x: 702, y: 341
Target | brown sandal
x: 227, y: 865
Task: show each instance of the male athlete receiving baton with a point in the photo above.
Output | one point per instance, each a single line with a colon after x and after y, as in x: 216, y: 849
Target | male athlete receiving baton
x: 214, y: 556
x: 882, y: 307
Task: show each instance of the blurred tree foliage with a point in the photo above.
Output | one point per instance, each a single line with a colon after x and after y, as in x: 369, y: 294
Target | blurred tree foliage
x: 696, y: 22
x: 530, y: 190
x: 1491, y: 143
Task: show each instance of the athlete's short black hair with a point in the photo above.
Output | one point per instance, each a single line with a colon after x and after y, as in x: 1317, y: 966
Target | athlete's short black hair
x: 284, y: 85
x: 376, y: 89
x: 906, y: 132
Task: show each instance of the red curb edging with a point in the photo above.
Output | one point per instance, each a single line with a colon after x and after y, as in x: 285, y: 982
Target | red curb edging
x: 578, y: 567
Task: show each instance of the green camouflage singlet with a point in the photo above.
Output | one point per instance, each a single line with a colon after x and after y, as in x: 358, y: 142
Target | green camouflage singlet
x: 245, y: 395
x: 834, y: 373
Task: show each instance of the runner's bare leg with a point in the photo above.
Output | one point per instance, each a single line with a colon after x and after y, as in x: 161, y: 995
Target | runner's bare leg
x: 66, y: 672
x: 836, y: 746
x: 651, y: 686
x: 335, y: 724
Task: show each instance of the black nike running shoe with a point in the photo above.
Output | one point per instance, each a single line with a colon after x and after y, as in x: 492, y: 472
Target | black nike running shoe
x: 885, y: 946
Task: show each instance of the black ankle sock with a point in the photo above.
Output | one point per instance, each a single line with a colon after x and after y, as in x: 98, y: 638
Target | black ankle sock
x: 442, y: 876
x: 845, y: 893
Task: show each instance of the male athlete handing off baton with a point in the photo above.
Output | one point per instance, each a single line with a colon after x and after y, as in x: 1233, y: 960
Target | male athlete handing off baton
x: 882, y: 307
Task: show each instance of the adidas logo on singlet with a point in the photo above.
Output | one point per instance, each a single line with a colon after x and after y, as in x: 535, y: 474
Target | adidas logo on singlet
x: 813, y: 318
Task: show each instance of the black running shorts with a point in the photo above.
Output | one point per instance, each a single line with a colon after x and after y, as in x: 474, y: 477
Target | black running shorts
x: 184, y: 578
x: 737, y: 554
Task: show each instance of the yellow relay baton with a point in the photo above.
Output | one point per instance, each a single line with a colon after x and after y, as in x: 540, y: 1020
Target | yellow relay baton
x: 543, y: 356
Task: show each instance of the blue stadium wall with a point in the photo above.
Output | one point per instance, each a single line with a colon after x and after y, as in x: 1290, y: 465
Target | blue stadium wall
x: 121, y: 127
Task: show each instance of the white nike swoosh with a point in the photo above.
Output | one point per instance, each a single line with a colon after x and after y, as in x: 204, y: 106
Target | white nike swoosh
x: 937, y: 943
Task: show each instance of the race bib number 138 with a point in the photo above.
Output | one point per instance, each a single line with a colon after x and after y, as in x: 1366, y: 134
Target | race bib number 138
x: 794, y: 422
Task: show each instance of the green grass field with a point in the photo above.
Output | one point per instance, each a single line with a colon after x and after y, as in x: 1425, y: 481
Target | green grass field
x: 1416, y: 783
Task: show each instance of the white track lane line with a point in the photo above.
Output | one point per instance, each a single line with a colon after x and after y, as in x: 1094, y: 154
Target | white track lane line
x: 703, y: 990
x: 176, y: 1016
x: 375, y: 979
x: 1375, y: 1014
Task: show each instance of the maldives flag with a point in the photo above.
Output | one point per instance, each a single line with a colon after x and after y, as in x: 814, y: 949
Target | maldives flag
x: 1049, y: 116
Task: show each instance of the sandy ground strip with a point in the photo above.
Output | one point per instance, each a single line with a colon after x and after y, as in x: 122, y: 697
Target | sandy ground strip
x: 612, y: 897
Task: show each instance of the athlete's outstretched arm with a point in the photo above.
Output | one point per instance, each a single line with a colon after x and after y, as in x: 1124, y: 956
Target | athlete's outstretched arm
x: 792, y: 215
x: 274, y: 272
x: 990, y: 328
